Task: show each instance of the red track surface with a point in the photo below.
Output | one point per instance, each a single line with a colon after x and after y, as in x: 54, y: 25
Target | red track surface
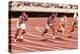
x: 32, y: 37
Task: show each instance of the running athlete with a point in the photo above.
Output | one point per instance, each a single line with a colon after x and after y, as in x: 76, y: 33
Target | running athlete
x: 74, y: 22
x: 63, y: 25
x: 21, y: 25
x: 49, y: 24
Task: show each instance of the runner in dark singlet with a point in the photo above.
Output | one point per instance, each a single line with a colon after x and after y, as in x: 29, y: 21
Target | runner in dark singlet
x: 21, y: 25
x: 49, y: 24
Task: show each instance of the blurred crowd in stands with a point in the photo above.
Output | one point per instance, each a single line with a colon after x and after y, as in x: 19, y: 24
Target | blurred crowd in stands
x: 39, y: 4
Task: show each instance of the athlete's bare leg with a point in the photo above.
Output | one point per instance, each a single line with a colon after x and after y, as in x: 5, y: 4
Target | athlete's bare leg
x: 53, y: 31
x: 72, y: 29
x: 46, y: 30
x: 23, y: 31
x: 63, y: 31
x: 17, y: 33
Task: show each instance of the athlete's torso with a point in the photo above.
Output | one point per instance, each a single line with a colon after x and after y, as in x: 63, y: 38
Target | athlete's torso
x: 23, y: 19
x: 63, y: 21
x: 50, y: 19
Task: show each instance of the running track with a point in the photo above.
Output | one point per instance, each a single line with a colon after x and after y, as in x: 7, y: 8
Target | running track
x: 32, y: 37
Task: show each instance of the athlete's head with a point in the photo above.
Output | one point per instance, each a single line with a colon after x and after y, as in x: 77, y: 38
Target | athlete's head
x: 64, y: 16
x: 23, y: 13
x: 25, y: 16
x: 54, y: 14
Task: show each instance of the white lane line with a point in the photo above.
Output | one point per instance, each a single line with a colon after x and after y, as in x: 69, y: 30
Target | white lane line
x: 49, y: 39
x: 17, y: 51
x: 64, y: 43
x: 56, y: 46
x: 53, y: 46
x: 45, y: 48
x: 33, y: 34
x: 20, y: 46
x: 65, y: 39
x: 68, y: 44
x: 38, y: 36
x: 41, y: 43
x: 49, y: 34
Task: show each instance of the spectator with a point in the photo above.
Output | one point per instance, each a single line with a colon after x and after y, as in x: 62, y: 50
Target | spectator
x: 45, y: 5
